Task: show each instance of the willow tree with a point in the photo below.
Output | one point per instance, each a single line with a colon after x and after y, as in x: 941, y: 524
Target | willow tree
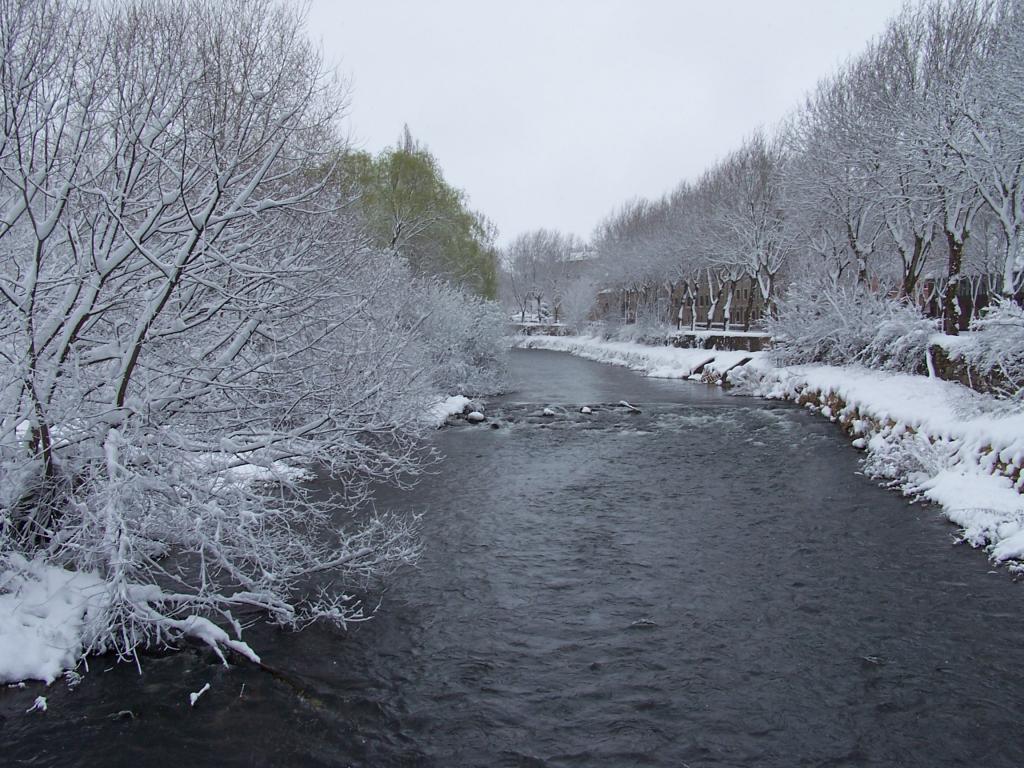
x: 411, y: 209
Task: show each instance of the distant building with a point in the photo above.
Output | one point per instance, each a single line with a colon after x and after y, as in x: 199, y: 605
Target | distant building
x: 746, y: 308
x: 586, y: 253
x: 681, y: 309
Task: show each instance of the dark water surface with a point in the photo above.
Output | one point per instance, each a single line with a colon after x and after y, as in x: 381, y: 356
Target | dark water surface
x: 707, y: 583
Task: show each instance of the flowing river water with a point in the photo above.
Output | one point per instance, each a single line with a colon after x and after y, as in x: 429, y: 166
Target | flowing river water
x: 709, y: 582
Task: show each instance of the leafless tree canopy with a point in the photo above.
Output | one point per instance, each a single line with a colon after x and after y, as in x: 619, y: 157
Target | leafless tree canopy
x: 902, y: 173
x: 186, y: 295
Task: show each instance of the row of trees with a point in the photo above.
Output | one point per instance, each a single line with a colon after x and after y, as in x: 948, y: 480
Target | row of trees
x: 903, y: 173
x: 193, y: 280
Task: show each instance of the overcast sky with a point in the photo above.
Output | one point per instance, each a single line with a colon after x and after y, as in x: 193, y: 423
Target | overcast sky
x: 552, y: 113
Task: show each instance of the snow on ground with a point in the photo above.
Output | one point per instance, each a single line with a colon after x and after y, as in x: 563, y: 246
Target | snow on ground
x: 932, y: 439
x: 656, y: 362
x: 442, y: 409
x: 954, y: 345
x: 278, y: 471
x: 44, y: 614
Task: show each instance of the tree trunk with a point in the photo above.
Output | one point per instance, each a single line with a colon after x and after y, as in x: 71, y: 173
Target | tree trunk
x: 727, y: 307
x: 913, y: 269
x: 748, y: 310
x: 950, y: 302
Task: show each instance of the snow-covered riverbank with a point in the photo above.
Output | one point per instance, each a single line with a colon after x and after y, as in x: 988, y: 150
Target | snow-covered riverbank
x: 660, y: 362
x: 46, y: 610
x: 929, y: 438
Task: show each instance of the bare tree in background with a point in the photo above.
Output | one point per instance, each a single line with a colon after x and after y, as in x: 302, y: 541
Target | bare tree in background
x: 537, y: 271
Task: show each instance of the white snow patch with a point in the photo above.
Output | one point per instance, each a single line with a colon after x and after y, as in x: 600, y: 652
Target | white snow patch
x: 44, y: 616
x: 39, y: 705
x: 278, y: 471
x: 204, y: 630
x: 449, y: 406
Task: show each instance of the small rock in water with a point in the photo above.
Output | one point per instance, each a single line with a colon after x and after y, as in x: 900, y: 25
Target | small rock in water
x: 586, y: 409
x: 643, y: 624
x: 475, y: 417
x: 632, y: 408
x: 547, y: 412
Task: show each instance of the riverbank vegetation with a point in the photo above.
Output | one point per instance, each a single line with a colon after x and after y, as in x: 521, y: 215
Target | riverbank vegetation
x: 408, y: 206
x: 202, y: 285
x: 896, y: 188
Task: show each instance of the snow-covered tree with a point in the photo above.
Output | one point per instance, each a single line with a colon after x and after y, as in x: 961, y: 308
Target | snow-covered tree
x: 187, y: 300
x: 538, y: 267
x: 990, y: 142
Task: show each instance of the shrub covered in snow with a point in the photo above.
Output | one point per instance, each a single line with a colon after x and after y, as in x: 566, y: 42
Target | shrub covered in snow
x: 640, y: 332
x: 841, y: 325
x: 462, y: 338
x: 996, y: 348
x: 222, y: 311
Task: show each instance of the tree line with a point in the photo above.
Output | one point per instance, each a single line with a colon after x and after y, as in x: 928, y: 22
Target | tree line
x: 902, y: 173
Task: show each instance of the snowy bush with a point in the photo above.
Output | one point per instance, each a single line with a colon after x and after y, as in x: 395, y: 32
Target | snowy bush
x: 905, y: 459
x: 996, y: 348
x: 187, y: 306
x: 629, y: 332
x: 626, y: 332
x: 462, y: 338
x: 840, y: 325
x: 577, y: 301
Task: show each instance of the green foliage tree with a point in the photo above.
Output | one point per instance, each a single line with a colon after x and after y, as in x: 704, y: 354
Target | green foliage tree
x: 410, y: 208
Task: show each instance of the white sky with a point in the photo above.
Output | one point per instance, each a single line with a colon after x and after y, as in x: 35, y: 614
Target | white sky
x: 551, y: 114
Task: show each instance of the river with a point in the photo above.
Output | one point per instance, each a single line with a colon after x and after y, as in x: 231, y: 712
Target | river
x: 708, y: 582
